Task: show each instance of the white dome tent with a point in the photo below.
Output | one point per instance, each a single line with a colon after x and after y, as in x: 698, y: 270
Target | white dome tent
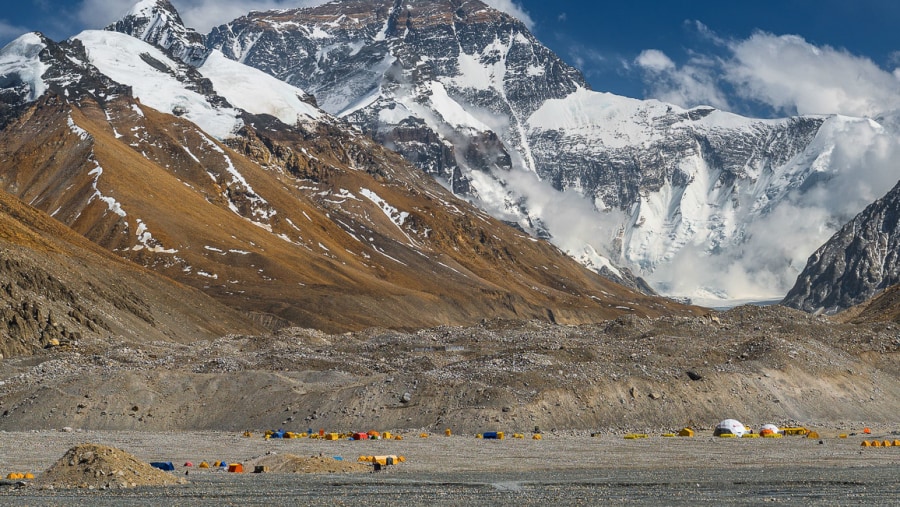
x: 730, y: 427
x: 769, y: 429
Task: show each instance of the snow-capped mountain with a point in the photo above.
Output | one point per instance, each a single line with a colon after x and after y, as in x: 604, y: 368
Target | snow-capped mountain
x: 858, y: 262
x: 263, y: 201
x: 694, y: 200
x: 158, y: 23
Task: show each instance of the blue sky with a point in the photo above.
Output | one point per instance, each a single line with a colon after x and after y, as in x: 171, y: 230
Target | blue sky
x: 761, y: 57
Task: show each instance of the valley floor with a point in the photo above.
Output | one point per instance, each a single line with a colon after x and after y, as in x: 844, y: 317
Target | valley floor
x: 564, y: 468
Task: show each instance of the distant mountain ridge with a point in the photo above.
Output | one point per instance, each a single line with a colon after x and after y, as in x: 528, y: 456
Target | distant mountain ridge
x: 263, y: 201
x: 471, y: 97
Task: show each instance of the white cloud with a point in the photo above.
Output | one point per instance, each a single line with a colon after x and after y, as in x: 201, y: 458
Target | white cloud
x: 790, y: 74
x: 693, y: 84
x: 576, y: 226
x: 654, y: 60
x: 512, y: 8
x: 785, y: 73
x: 764, y: 264
x: 894, y: 58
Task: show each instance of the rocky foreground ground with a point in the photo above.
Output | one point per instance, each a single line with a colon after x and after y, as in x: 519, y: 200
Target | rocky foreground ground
x: 756, y: 364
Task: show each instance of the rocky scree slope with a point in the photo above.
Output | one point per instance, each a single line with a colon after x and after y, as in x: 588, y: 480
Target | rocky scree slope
x: 757, y: 364
x: 885, y: 307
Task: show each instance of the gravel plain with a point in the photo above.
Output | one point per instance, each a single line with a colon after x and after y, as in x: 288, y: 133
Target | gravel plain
x: 563, y: 468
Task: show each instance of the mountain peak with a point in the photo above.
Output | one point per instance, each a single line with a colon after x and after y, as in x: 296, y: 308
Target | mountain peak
x: 33, y: 65
x: 20, y: 73
x: 147, y: 8
x: 157, y: 22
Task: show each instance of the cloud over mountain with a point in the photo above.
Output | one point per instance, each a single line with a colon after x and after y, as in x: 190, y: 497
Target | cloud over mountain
x: 784, y: 73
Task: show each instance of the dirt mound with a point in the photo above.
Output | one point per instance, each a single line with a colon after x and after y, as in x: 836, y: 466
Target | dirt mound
x: 292, y: 464
x: 102, y: 467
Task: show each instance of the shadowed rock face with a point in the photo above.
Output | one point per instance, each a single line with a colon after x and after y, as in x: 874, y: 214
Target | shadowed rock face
x: 858, y: 262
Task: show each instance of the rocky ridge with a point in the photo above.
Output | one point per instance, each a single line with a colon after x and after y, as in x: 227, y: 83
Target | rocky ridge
x: 856, y: 264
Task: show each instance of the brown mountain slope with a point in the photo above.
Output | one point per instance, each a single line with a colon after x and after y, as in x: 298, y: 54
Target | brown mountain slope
x: 313, y: 225
x: 884, y: 307
x: 58, y: 288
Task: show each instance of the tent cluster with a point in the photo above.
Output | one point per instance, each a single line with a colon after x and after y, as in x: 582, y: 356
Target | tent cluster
x: 16, y: 476
x: 323, y: 435
x: 880, y: 443
x: 216, y: 465
x: 378, y: 435
x: 500, y: 435
x: 736, y: 429
x: 390, y: 459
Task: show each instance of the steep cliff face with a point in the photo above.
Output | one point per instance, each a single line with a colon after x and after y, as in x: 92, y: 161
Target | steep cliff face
x: 858, y: 262
x: 471, y: 97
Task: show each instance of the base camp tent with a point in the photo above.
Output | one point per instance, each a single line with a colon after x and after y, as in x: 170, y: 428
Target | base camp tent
x: 769, y: 429
x: 730, y: 427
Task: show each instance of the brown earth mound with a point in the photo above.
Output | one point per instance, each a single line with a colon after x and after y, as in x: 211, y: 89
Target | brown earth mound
x: 292, y: 464
x: 101, y: 467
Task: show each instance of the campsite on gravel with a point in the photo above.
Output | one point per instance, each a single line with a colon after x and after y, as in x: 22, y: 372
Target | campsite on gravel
x: 565, y: 467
